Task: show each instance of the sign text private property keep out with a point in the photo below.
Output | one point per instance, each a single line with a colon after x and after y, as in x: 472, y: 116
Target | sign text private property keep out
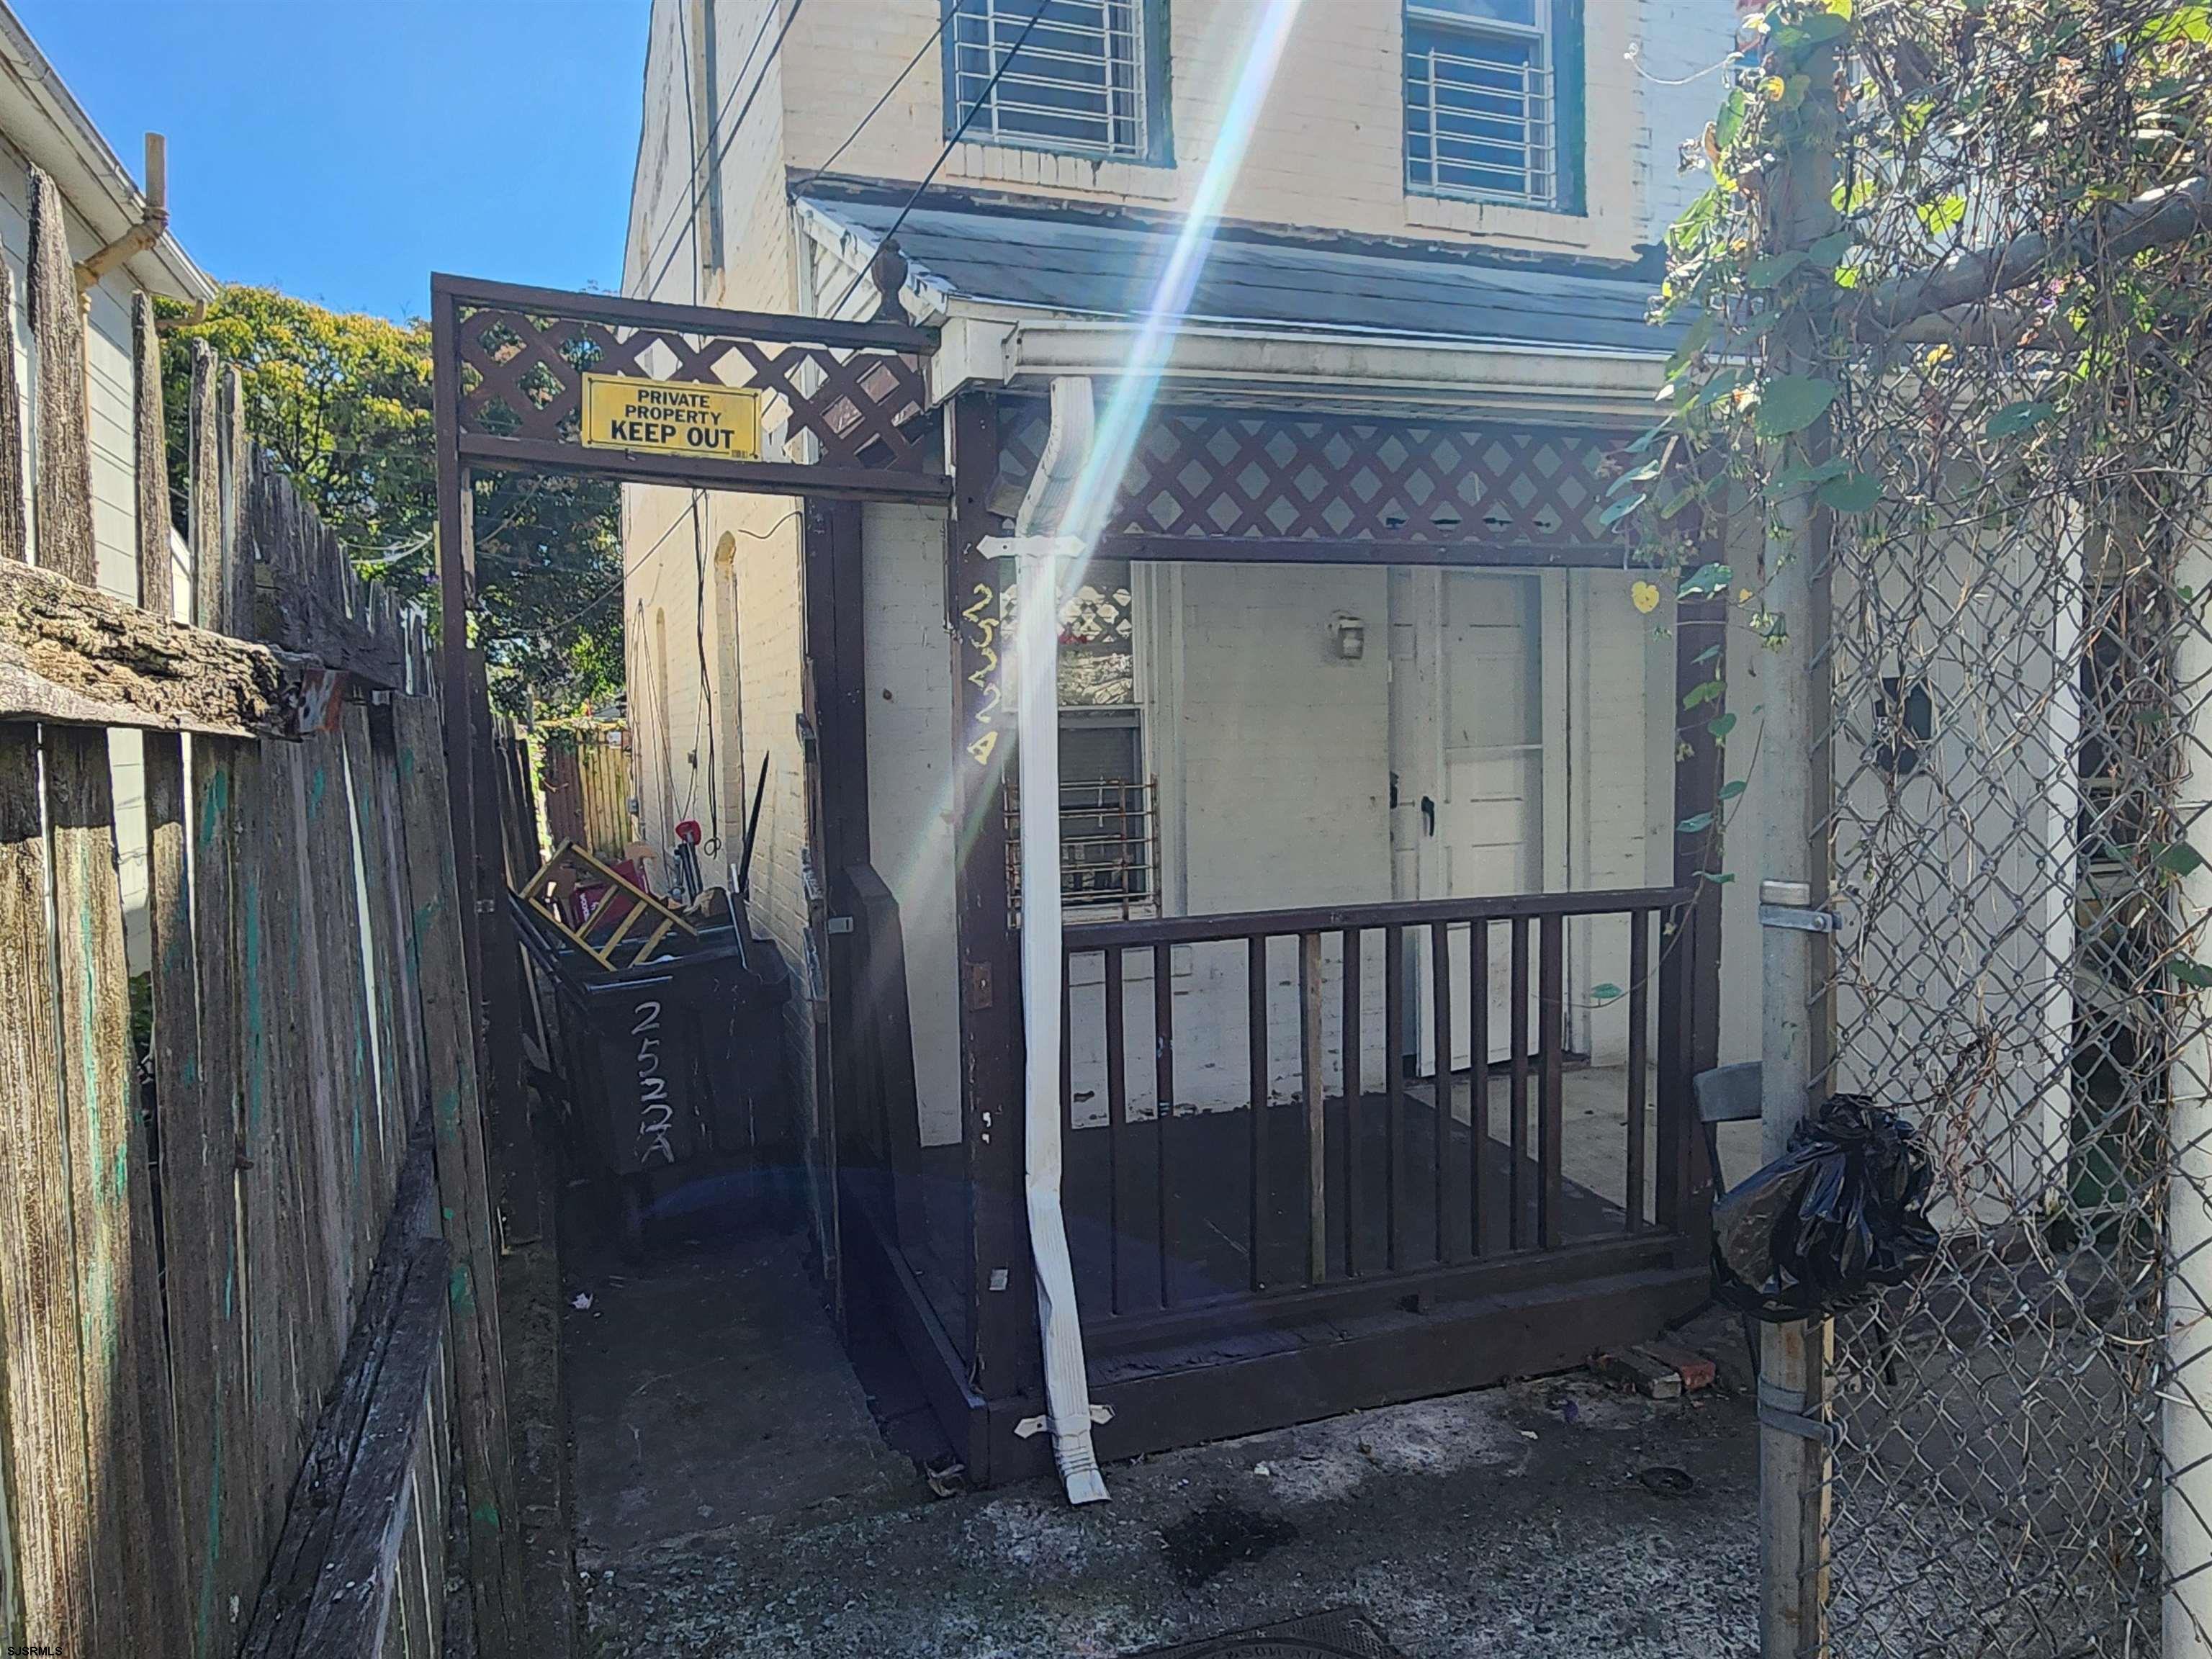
x: 672, y: 417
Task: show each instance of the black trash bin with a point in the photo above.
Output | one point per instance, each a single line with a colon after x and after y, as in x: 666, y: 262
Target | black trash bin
x: 675, y: 1070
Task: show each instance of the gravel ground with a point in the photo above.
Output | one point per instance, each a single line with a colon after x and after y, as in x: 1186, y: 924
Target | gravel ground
x: 1527, y: 1520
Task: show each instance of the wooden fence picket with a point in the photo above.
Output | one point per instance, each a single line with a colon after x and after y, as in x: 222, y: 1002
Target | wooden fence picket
x: 39, y: 1329
x: 131, y: 1429
x: 224, y: 1536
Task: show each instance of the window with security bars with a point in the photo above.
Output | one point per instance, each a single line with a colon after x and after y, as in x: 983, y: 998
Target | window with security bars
x: 1058, y: 75
x: 1480, y: 121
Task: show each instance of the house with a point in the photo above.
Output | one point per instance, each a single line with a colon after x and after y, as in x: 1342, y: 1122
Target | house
x: 1291, y: 351
x: 118, y: 231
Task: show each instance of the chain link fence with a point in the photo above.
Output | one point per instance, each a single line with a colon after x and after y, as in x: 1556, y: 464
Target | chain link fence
x: 2011, y: 748
x: 2015, y: 752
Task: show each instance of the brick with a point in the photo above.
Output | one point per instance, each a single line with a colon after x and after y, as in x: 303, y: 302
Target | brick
x: 1634, y: 1368
x: 1696, y: 1370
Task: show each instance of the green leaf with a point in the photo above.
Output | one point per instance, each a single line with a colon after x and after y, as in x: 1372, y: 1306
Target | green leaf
x: 1854, y: 494
x: 2178, y: 857
x: 2191, y: 23
x: 1729, y: 122
x: 1769, y: 269
x: 1716, y: 386
x: 1730, y: 790
x: 1807, y: 473
x: 1607, y: 993
x: 1721, y: 725
x: 1714, y: 877
x: 1791, y: 402
x: 1858, y: 196
x: 1823, y: 26
x: 1621, y: 508
x: 1695, y: 339
x: 1691, y: 826
x: 2194, y: 974
x: 2019, y: 417
x: 1643, y: 474
x: 1942, y: 215
x: 1705, y: 582
x: 1707, y: 654
x: 1703, y: 692
x: 1828, y: 253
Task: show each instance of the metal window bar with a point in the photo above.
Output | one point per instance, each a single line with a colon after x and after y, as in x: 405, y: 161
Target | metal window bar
x: 1479, y: 128
x: 1077, y: 83
x: 1109, y: 842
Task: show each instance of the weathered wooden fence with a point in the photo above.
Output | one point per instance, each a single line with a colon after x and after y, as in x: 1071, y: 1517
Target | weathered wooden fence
x: 247, y: 1323
x: 583, y: 778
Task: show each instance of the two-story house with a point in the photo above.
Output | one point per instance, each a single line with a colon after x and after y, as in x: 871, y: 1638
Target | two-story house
x: 1295, y: 344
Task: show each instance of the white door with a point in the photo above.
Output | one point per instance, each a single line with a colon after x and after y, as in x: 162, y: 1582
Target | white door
x: 1488, y: 815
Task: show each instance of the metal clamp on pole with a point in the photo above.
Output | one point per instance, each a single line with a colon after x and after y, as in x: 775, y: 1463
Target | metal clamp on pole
x: 1789, y: 904
x: 1779, y: 1409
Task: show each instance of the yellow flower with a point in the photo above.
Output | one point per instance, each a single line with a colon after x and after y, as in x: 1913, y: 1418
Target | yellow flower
x: 1645, y: 597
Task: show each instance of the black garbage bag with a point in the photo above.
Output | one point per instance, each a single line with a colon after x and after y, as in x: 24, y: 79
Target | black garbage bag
x: 1837, y: 1217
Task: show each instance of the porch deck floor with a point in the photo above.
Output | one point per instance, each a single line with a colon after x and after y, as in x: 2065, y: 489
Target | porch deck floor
x: 1209, y: 1164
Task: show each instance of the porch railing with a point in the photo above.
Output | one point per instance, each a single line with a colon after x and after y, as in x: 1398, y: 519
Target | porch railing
x: 1383, y: 1164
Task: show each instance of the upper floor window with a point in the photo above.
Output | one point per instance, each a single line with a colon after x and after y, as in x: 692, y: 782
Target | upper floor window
x: 1481, y: 120
x: 1081, y: 76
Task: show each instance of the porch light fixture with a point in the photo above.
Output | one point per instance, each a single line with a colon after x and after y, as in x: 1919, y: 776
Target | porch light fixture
x: 1351, y: 635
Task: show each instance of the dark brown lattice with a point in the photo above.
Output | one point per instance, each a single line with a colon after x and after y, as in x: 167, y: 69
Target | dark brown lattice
x: 1267, y: 476
x: 522, y: 377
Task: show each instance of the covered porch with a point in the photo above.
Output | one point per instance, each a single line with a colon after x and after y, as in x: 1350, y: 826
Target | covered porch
x: 1371, y: 771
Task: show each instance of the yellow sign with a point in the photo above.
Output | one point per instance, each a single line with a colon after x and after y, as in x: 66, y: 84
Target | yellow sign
x: 672, y: 417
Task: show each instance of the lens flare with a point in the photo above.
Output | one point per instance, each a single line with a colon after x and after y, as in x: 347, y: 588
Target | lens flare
x: 1136, y: 387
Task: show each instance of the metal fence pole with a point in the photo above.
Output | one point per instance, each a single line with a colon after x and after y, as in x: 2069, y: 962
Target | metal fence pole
x: 2184, y: 1428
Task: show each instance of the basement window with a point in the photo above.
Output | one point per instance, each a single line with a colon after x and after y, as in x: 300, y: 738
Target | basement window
x: 1088, y: 77
x: 1481, y: 120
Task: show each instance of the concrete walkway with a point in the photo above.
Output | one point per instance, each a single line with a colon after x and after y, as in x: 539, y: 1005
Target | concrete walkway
x: 733, y: 1497
x: 709, y: 1390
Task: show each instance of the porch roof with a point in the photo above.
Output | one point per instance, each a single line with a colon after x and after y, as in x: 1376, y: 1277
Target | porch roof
x: 1067, y: 264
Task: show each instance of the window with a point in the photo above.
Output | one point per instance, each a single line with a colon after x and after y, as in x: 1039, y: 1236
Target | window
x: 1481, y: 120
x: 1109, y: 824
x: 1087, y: 80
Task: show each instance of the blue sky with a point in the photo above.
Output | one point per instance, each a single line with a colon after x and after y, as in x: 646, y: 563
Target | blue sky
x: 323, y: 147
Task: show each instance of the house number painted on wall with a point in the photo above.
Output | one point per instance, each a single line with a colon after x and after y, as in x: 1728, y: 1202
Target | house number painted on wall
x: 672, y: 417
x: 655, y: 1114
x: 979, y: 636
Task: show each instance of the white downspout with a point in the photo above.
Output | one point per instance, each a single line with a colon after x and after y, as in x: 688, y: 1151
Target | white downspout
x: 1041, y: 555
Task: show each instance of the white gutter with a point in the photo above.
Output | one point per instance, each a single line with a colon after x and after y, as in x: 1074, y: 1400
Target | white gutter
x: 49, y: 128
x: 1558, y: 382
x: 1040, y: 554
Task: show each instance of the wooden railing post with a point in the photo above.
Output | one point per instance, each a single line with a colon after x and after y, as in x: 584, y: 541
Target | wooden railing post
x: 1001, y: 1339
